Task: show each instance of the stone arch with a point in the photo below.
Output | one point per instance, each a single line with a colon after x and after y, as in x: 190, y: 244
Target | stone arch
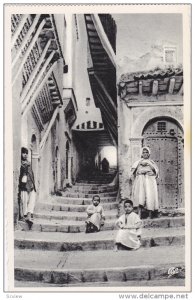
x: 57, y: 169
x: 153, y: 113
x: 67, y: 159
x: 34, y: 156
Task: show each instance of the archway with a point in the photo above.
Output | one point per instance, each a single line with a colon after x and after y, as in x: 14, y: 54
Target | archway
x: 164, y: 137
x: 57, y: 170
x: 34, y: 157
x: 68, y: 162
x: 108, y: 159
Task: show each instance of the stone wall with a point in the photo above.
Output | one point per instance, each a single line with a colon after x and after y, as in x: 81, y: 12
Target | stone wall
x: 132, y: 122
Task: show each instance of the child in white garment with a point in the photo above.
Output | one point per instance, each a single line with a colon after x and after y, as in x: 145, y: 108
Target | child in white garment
x: 96, y: 215
x: 129, y: 225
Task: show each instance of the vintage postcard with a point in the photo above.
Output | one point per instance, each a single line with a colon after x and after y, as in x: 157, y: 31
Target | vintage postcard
x: 97, y: 179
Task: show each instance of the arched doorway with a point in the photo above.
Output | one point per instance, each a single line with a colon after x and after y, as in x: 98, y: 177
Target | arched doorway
x: 57, y: 170
x: 108, y: 159
x: 34, y: 157
x: 67, y: 161
x: 165, y: 139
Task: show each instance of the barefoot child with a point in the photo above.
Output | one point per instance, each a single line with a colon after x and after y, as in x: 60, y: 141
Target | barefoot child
x: 96, y: 215
x: 129, y: 225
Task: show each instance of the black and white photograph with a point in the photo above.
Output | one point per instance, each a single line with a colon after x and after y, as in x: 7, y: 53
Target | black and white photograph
x: 97, y: 148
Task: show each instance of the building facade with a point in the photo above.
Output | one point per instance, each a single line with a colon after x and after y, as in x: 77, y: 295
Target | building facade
x: 48, y: 94
x: 44, y: 109
x: 151, y: 114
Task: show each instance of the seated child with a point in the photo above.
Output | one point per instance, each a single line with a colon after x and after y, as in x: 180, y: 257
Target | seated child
x: 129, y: 225
x: 95, y: 214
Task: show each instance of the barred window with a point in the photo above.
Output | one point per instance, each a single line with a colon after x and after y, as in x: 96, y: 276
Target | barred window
x: 161, y: 126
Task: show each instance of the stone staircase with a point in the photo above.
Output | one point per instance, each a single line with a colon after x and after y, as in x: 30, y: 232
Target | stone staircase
x: 57, y: 252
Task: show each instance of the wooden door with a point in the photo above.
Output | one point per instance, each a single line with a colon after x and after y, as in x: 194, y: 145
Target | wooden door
x: 163, y: 137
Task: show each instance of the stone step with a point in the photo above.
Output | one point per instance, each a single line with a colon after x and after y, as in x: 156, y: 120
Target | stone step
x: 64, y: 215
x: 81, y: 201
x: 133, y: 283
x: 96, y: 181
x: 88, y: 195
x: 99, y: 181
x: 67, y: 207
x: 93, y: 190
x: 62, y: 225
x: 79, y: 226
x: 102, y: 240
x: 92, y: 185
x: 100, y: 266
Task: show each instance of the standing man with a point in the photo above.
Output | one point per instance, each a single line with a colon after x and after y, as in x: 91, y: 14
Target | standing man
x: 27, y: 190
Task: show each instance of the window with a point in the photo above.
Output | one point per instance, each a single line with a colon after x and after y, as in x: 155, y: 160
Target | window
x: 170, y: 55
x: 87, y: 101
x: 161, y: 126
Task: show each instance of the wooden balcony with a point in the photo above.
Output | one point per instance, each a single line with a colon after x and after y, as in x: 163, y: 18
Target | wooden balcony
x: 102, y: 76
x: 36, y: 49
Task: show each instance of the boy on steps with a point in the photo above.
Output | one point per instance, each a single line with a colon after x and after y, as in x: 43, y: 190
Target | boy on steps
x: 129, y: 225
x: 96, y: 216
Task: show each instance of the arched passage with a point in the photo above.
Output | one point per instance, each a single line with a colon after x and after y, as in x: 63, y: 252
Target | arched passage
x: 107, y: 159
x: 34, y: 156
x: 68, y: 163
x: 57, y: 170
x: 164, y: 137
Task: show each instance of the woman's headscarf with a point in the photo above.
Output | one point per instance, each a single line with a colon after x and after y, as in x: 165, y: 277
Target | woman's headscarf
x: 146, y: 148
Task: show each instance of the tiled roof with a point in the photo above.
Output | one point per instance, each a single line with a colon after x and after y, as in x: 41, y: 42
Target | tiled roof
x: 154, y: 74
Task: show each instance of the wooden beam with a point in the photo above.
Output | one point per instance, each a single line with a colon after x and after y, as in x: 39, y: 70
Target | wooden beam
x: 181, y: 90
x: 37, y: 111
x: 26, y: 38
x: 27, y: 105
x: 43, y: 141
x: 105, y: 92
x: 140, y: 87
x: 24, y: 99
x: 103, y: 37
x: 171, y: 85
x: 28, y: 51
x: 34, y: 72
x: 18, y: 30
x: 155, y: 88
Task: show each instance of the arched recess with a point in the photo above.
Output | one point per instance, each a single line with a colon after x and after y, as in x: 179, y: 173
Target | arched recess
x: 57, y: 170
x: 34, y: 157
x: 68, y: 162
x: 164, y: 137
x: 158, y: 112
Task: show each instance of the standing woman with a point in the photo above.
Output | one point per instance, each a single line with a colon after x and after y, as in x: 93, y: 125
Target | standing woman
x: 144, y: 191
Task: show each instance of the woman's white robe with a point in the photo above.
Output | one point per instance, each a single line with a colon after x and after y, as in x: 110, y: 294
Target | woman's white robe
x: 144, y: 191
x: 129, y: 237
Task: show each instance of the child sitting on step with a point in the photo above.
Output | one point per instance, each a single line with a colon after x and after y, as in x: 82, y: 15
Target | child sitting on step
x: 129, y: 225
x: 96, y: 215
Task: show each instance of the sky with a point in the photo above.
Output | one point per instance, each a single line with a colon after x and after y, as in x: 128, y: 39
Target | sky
x: 136, y: 33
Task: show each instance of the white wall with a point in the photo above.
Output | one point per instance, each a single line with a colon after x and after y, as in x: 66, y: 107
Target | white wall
x: 140, y: 36
x: 82, y: 84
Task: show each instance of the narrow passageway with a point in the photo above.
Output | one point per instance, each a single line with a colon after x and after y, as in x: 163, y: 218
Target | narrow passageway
x: 83, y: 139
x: 97, y: 156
